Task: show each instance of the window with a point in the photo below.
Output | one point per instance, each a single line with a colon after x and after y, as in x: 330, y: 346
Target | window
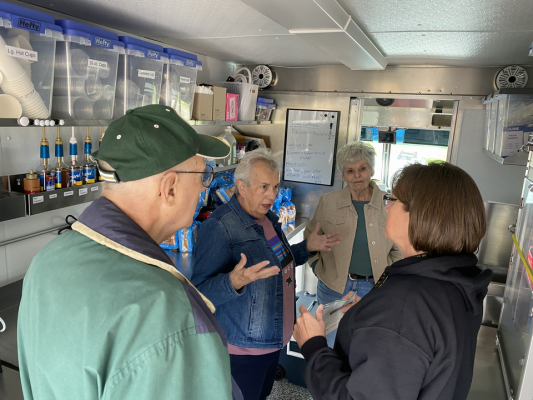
x: 419, y: 146
x: 404, y: 154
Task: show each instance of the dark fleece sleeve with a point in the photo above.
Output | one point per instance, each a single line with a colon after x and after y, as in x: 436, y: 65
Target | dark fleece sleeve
x: 381, y: 365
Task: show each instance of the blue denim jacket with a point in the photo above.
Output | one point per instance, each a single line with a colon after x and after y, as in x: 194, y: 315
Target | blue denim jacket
x: 252, y: 317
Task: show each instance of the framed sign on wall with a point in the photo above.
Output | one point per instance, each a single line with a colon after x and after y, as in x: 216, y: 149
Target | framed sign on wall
x: 310, y: 146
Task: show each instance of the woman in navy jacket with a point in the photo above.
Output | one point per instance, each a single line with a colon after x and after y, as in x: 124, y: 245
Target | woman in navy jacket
x: 414, y: 335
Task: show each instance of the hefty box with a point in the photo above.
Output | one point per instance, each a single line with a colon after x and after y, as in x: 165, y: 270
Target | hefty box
x: 232, y: 106
x: 219, y: 103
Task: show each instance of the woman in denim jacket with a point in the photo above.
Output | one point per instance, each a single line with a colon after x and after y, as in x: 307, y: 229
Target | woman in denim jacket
x: 245, y: 266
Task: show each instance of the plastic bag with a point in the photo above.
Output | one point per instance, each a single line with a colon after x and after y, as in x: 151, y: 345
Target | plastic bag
x: 225, y: 193
x: 171, y: 243
x: 187, y: 237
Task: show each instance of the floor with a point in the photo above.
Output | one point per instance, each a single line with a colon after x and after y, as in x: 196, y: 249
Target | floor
x: 487, y: 382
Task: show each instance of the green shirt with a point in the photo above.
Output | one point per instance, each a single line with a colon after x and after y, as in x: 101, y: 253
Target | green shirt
x: 360, y: 262
x: 96, y: 324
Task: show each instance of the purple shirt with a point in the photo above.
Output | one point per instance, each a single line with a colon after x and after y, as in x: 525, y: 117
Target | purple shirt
x: 287, y: 266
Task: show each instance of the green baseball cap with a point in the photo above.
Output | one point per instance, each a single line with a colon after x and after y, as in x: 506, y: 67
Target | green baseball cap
x: 149, y: 140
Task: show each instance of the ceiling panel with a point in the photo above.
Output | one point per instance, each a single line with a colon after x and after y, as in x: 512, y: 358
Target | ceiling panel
x: 451, y: 15
x: 171, y: 18
x: 456, y: 32
x: 455, y: 48
x: 284, y: 50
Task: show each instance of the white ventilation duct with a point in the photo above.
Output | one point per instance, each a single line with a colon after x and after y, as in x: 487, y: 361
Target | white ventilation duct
x: 325, y: 24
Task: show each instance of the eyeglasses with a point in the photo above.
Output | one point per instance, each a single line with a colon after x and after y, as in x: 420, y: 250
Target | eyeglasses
x: 387, y: 199
x: 207, y: 175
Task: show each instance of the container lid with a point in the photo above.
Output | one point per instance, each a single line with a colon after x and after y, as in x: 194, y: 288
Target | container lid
x: 265, y: 100
x: 150, y: 50
x: 98, y: 37
x: 188, y: 59
x: 31, y: 175
x: 30, y: 20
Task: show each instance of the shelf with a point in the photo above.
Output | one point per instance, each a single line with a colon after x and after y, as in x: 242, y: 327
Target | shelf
x: 13, y: 122
x: 226, y: 168
x: 519, y: 158
x: 61, y: 198
x: 228, y: 123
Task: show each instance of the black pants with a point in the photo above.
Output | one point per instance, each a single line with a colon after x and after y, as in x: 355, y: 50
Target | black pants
x: 255, y: 374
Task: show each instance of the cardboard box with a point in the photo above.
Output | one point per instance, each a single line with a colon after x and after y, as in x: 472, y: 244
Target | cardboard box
x: 232, y: 106
x: 250, y: 142
x: 203, y: 107
x: 219, y: 103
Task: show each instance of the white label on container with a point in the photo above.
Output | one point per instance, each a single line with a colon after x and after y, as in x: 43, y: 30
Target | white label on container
x: 184, y: 79
x: 146, y: 74
x: 38, y: 199
x: 83, y: 191
x: 22, y: 53
x: 94, y: 188
x: 98, y: 64
x: 53, y: 196
x: 69, y: 193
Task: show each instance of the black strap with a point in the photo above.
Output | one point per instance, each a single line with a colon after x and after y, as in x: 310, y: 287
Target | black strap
x: 70, y: 219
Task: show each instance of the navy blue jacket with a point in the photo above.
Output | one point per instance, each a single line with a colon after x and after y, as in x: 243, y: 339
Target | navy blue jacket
x: 412, y: 337
x: 252, y: 317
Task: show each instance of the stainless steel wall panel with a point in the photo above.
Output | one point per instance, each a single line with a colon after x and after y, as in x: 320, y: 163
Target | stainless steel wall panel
x: 17, y: 256
x: 495, y: 248
x: 425, y: 80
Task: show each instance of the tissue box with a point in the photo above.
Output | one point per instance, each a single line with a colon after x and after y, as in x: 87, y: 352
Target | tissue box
x: 232, y: 106
x: 203, y: 107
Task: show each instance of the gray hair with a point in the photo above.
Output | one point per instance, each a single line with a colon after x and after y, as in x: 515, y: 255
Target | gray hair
x: 354, y: 152
x: 242, y: 172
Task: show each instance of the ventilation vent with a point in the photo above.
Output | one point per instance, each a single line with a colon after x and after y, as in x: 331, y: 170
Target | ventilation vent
x: 513, y: 76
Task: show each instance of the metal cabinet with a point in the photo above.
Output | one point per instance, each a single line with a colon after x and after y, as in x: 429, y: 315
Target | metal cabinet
x: 514, y: 331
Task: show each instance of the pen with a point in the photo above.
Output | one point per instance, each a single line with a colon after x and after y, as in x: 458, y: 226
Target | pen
x: 311, y: 306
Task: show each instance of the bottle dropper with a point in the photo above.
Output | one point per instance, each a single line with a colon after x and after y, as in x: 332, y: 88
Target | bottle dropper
x: 99, y: 146
x: 61, y: 170
x: 89, y: 169
x: 74, y: 169
x: 46, y: 177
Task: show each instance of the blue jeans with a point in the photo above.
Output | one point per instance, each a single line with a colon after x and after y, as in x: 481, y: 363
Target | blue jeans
x: 325, y: 295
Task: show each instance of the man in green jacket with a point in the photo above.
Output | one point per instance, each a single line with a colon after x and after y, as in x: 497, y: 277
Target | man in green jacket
x: 104, y: 313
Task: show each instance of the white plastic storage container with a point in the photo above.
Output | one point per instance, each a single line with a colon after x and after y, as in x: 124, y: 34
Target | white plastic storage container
x: 85, y: 72
x: 179, y: 80
x: 247, y: 98
x: 27, y: 48
x: 140, y: 73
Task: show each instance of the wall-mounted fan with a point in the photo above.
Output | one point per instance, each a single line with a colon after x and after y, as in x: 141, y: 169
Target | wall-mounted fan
x: 263, y: 76
x: 512, y: 76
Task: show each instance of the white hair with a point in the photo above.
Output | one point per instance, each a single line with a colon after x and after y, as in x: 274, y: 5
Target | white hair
x: 242, y: 172
x: 354, y: 152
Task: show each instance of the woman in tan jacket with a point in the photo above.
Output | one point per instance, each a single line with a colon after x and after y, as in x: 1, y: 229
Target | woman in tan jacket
x: 358, y: 213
